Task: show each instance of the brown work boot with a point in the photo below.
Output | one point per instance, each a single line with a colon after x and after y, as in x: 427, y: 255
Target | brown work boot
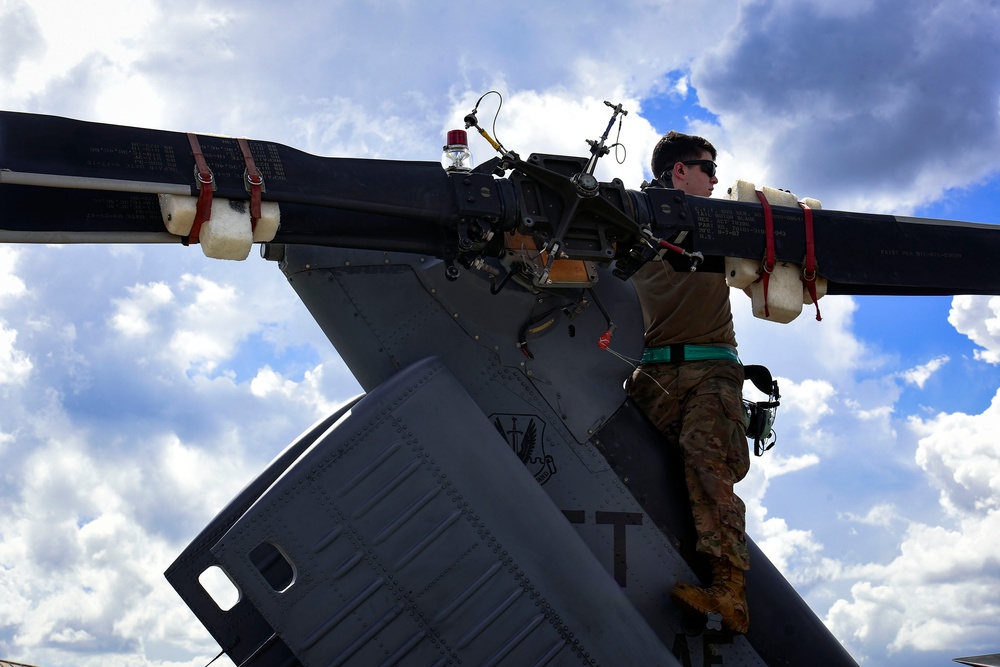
x: 727, y: 596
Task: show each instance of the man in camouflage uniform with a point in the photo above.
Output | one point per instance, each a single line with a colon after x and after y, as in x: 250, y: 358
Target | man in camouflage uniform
x: 690, y: 385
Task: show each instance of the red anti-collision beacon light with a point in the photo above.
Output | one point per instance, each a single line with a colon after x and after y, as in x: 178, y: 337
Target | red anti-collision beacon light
x: 456, y: 155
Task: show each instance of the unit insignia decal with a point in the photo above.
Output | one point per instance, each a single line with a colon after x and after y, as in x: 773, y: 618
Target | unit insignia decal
x: 525, y: 435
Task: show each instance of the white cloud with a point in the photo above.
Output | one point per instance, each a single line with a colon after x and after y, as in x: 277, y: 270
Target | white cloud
x: 343, y: 127
x: 918, y: 375
x: 67, y: 636
x: 882, y: 515
x: 793, y: 551
x: 19, y: 30
x: 196, y: 322
x: 782, y: 544
x: 944, y: 584
x: 777, y: 466
x: 64, y: 49
x: 961, y: 455
x: 84, y: 543
x: 209, y: 326
x: 811, y: 399
x: 115, y: 457
x: 789, y: 549
x: 857, y: 96
x: 10, y: 285
x: 978, y: 317
x: 804, y: 348
x: 938, y: 594
x: 15, y: 365
x: 133, y: 314
x: 268, y: 384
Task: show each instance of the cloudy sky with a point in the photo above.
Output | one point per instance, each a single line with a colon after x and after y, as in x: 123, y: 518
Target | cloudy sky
x: 142, y: 387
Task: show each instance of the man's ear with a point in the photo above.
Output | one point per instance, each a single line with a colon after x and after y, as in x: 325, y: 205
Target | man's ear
x: 678, y: 170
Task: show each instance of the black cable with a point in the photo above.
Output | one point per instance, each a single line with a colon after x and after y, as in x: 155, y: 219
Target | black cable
x: 494, y: 289
x: 600, y: 306
x: 216, y: 657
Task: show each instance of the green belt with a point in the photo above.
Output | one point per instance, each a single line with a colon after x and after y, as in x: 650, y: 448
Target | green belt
x: 675, y: 353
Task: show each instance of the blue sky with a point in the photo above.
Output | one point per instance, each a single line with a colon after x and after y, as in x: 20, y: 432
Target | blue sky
x: 143, y: 386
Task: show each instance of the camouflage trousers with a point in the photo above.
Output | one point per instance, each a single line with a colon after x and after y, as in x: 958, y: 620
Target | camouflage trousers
x: 697, y: 406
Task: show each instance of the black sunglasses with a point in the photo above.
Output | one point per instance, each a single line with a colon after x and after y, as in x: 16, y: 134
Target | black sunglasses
x: 707, y: 166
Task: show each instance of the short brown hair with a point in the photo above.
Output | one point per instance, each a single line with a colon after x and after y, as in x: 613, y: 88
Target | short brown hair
x: 674, y: 147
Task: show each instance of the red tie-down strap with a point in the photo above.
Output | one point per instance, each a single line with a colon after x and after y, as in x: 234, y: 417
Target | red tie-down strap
x: 767, y: 266
x: 206, y: 185
x: 809, y: 263
x: 253, y: 182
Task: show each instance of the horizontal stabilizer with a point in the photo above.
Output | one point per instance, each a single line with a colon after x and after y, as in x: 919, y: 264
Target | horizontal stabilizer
x: 991, y: 660
x: 403, y: 537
